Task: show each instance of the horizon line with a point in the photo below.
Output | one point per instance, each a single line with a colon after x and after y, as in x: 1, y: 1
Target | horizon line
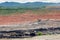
x: 30, y: 2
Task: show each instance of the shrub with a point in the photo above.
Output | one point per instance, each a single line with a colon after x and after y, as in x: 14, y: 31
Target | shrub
x: 39, y: 33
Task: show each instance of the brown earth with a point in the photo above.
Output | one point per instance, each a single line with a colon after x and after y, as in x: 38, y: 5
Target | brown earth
x: 27, y: 17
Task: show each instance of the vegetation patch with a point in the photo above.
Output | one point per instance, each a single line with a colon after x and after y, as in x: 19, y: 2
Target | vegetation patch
x: 39, y: 33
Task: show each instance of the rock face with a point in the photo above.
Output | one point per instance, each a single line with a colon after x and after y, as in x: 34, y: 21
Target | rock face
x: 30, y: 28
x: 31, y: 25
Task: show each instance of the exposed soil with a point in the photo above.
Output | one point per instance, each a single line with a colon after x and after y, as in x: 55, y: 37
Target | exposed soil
x: 27, y: 17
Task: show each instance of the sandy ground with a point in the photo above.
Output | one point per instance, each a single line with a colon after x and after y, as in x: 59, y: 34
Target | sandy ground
x: 45, y: 37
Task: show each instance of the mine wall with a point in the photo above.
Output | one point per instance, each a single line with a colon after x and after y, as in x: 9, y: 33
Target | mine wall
x: 28, y: 33
x: 30, y: 29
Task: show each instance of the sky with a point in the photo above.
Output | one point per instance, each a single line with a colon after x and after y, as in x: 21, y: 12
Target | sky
x: 23, y: 1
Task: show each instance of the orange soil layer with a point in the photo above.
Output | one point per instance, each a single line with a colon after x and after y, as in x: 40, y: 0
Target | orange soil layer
x: 22, y: 18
